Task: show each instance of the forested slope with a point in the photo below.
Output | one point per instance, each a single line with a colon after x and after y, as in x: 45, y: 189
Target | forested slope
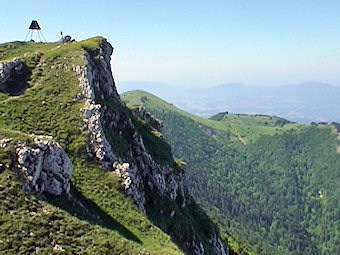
x: 272, y: 182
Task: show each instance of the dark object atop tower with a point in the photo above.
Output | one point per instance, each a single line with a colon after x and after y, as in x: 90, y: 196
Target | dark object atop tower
x: 34, y: 25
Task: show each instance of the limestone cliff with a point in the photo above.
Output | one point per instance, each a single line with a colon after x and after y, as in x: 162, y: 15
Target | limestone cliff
x: 73, y: 98
x: 96, y: 81
x: 103, y: 113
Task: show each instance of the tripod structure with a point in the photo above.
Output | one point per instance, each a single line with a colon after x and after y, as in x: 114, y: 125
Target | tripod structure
x: 34, y: 27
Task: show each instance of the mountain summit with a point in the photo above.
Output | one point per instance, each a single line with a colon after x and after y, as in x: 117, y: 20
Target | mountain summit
x: 80, y: 172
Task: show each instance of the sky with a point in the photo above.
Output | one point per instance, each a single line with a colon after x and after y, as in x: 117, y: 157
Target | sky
x: 197, y: 43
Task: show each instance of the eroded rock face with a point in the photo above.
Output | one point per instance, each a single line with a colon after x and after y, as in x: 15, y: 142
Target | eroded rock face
x: 45, y: 167
x: 131, y: 181
x: 97, y: 76
x: 13, y: 77
x: 96, y: 80
x: 98, y: 144
x: 6, y: 68
x: 145, y: 115
x: 142, y: 171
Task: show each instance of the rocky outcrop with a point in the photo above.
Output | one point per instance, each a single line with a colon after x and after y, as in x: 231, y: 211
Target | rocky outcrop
x: 131, y: 181
x: 96, y: 82
x: 7, y: 68
x: 215, y: 242
x: 146, y: 116
x: 98, y: 146
x: 104, y: 118
x: 94, y: 77
x: 97, y: 76
x: 44, y: 167
x: 16, y: 71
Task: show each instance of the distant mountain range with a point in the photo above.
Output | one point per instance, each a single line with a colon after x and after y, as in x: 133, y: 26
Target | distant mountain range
x: 304, y: 103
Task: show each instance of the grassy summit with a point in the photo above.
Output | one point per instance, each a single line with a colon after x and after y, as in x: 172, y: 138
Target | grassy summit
x: 98, y: 218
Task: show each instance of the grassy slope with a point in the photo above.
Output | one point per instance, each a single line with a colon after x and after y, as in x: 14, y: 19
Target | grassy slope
x: 247, y: 128
x: 279, y: 167
x: 187, y: 222
x: 111, y: 223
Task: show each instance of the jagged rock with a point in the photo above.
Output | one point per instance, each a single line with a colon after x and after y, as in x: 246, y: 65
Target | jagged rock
x: 131, y: 182
x: 95, y: 76
x: 146, y: 116
x: 143, y: 171
x: 98, y: 142
x: 44, y: 167
x: 7, y: 68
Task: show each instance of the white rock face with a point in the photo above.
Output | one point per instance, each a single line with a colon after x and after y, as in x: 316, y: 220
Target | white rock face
x: 102, y: 148
x: 44, y: 167
x: 97, y: 75
x: 131, y: 182
x: 143, y: 171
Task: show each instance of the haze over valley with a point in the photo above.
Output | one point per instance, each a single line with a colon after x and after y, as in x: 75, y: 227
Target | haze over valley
x: 303, y: 103
x: 170, y: 127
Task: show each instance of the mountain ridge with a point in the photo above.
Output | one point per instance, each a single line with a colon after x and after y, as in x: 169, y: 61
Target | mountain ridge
x: 304, y: 103
x: 123, y: 170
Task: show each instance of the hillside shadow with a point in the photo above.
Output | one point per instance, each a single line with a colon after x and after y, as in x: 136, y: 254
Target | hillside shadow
x: 17, y: 83
x: 84, y: 209
x: 187, y: 224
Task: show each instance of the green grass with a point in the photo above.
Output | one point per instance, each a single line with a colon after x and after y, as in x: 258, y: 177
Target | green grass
x: 105, y: 190
x: 49, y: 106
x: 28, y: 224
x: 187, y: 221
x: 241, y: 128
x: 252, y: 127
x: 259, y: 176
x: 153, y: 103
x: 9, y: 51
x: 7, y: 153
x: 237, y: 246
x: 98, y: 218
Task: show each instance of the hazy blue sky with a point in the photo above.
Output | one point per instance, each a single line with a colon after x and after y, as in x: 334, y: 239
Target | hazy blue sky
x: 268, y: 42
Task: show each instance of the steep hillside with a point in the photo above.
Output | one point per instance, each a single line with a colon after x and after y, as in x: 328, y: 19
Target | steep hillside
x: 79, y: 172
x: 266, y: 180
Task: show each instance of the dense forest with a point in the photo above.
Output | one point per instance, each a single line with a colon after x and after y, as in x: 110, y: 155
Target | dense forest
x: 273, y: 183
